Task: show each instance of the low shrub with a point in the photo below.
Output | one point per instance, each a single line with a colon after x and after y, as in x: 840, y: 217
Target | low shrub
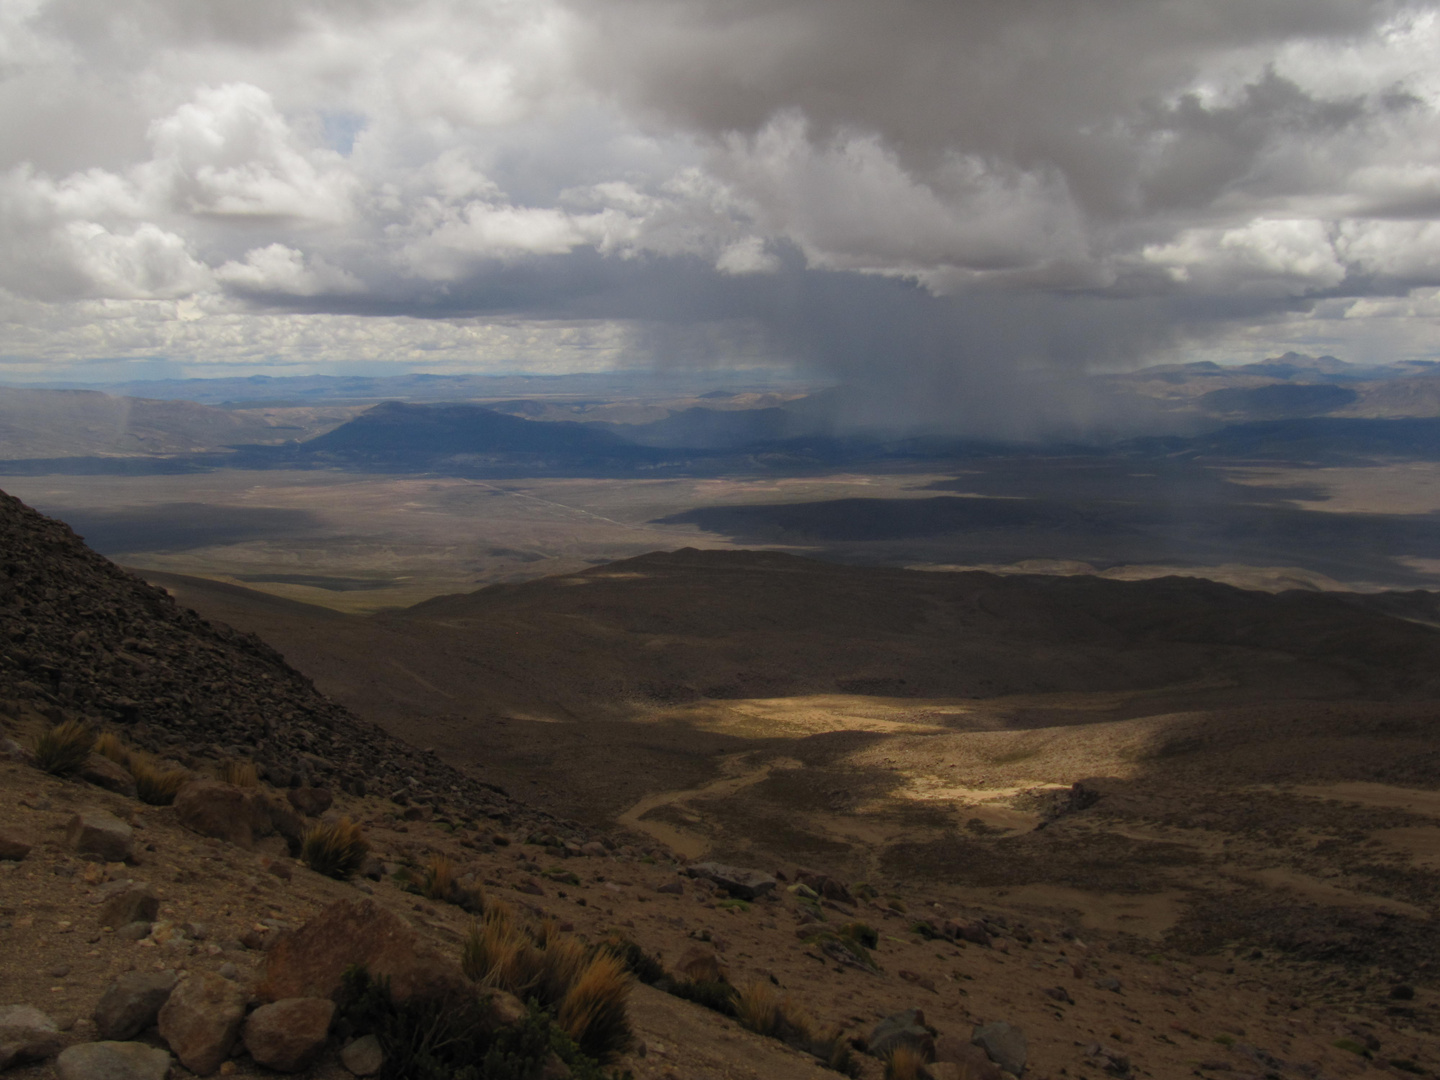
x: 155, y: 783
x: 336, y: 849
x: 63, y: 749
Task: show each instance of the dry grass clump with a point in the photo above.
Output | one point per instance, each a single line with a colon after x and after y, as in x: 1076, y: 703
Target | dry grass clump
x: 239, y: 773
x: 336, y: 849
x: 905, y: 1062
x: 110, y: 745
x: 593, y: 1012
x: 763, y: 1011
x: 63, y: 749
x: 497, y: 953
x: 439, y: 879
x: 155, y: 783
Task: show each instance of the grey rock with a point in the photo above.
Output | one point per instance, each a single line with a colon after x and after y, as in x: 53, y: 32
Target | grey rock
x: 902, y: 1029
x: 363, y: 1057
x: 110, y: 775
x: 113, y: 1061
x: 131, y: 1003
x: 26, y: 1034
x: 201, y: 1021
x: 12, y: 750
x: 1003, y: 1043
x: 98, y: 833
x: 739, y: 882
x: 136, y: 903
x: 135, y: 931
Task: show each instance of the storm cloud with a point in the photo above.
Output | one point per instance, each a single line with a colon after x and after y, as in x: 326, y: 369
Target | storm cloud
x: 953, y: 204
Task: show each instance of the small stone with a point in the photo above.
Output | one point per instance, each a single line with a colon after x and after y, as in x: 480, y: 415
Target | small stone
x: 229, y: 971
x: 674, y: 888
x: 1003, y: 1043
x: 363, y: 1057
x: 594, y: 849
x: 135, y: 931
x: 134, y: 903
x: 201, y: 1021
x: 13, y: 846
x: 288, y: 1035
x: 131, y: 1003
x: 98, y: 833
x: 112, y: 1061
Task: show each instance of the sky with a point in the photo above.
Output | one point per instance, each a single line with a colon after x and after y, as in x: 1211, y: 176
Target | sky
x: 930, y: 195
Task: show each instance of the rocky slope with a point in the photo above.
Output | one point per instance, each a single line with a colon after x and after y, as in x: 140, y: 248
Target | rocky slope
x: 81, y: 637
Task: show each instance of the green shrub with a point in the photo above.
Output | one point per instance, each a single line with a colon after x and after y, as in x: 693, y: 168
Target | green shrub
x: 63, y: 749
x: 336, y: 850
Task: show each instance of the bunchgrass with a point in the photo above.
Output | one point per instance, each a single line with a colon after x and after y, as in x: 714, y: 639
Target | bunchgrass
x: 239, y: 773
x: 905, y: 1062
x: 336, y: 849
x: 62, y: 749
x: 110, y: 745
x: 155, y: 783
x: 593, y: 1011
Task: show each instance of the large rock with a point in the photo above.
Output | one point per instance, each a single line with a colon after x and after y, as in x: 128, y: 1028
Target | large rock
x: 26, y: 1034
x: 113, y: 1061
x: 13, y: 846
x: 95, y: 832
x: 132, y: 1002
x: 288, y: 1035
x: 110, y: 775
x: 1003, y: 1043
x: 902, y: 1029
x: 201, y: 1021
x: 363, y: 1057
x: 237, y: 815
x: 973, y: 1062
x: 310, y: 801
x: 134, y: 903
x: 311, y: 961
x: 739, y: 882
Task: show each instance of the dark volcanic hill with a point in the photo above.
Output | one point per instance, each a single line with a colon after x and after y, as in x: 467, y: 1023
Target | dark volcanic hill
x: 81, y: 637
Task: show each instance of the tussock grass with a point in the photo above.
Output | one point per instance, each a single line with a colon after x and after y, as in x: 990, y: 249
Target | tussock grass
x: 499, y: 954
x: 110, y: 745
x: 63, y: 749
x: 906, y: 1063
x: 562, y: 963
x: 239, y: 773
x: 336, y: 850
x: 638, y: 962
x: 438, y: 881
x: 593, y: 1011
x: 759, y: 1008
x: 155, y: 783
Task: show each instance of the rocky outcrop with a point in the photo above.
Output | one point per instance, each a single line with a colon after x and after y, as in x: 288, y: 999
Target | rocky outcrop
x: 236, y: 815
x: 739, y: 882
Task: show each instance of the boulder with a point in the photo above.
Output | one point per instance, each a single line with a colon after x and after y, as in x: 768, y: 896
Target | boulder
x: 110, y: 775
x: 1003, y: 1043
x: 13, y: 846
x: 112, y: 1061
x: 98, y: 833
x: 26, y: 1034
x: 972, y: 1061
x: 310, y: 961
x: 13, y: 751
x: 700, y: 963
x: 825, y: 886
x: 201, y: 1021
x: 310, y: 801
x: 132, y: 1002
x: 135, y: 903
x: 739, y: 882
x: 363, y: 1057
x: 902, y: 1029
x: 289, y: 1034
x: 236, y: 815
